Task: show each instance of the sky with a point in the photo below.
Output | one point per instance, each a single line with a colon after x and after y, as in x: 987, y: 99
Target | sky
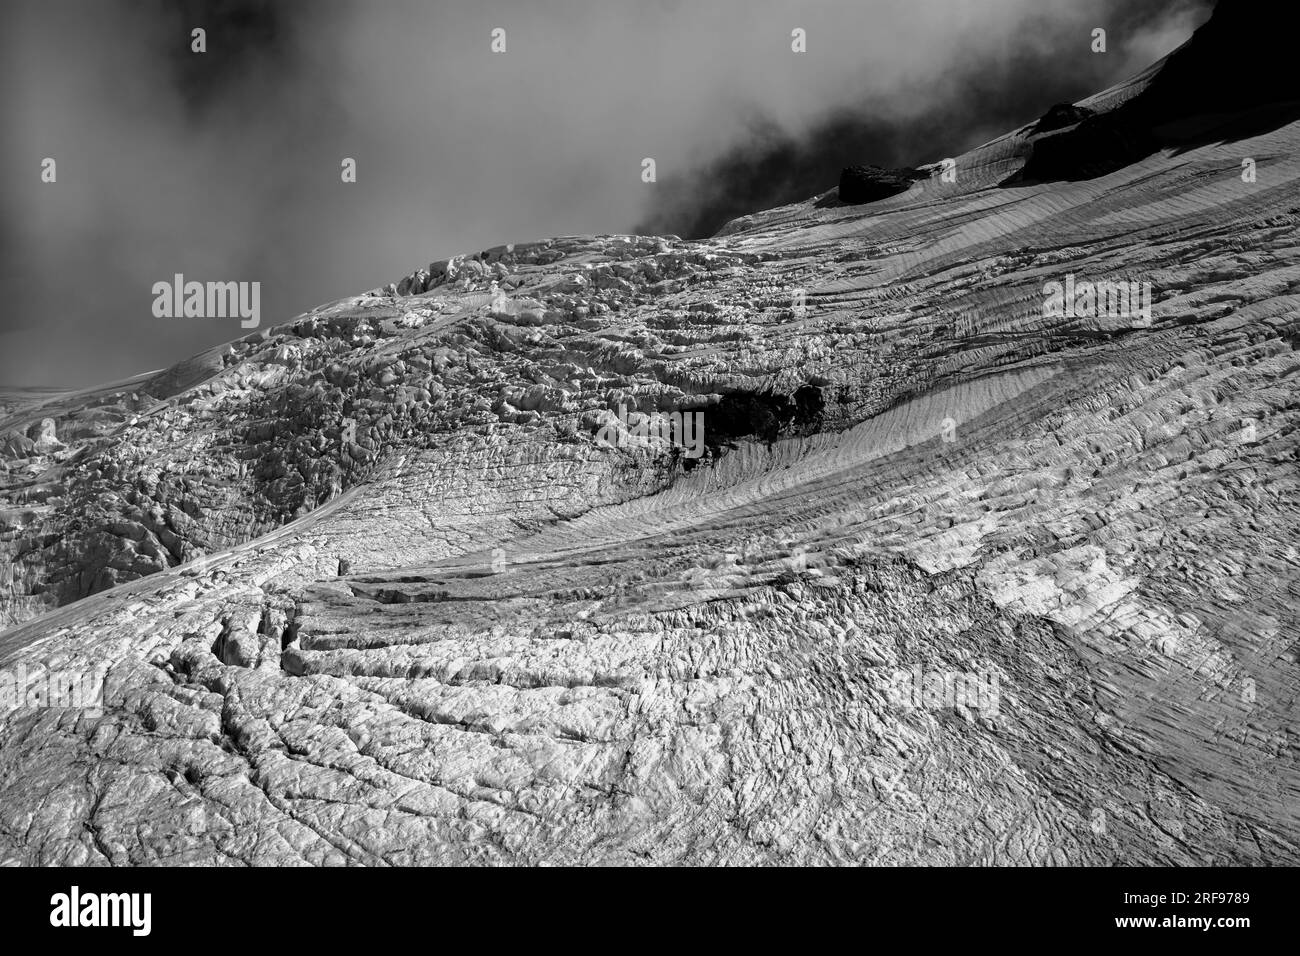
x: 225, y: 165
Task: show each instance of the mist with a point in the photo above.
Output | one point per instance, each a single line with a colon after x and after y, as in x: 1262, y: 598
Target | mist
x: 225, y: 165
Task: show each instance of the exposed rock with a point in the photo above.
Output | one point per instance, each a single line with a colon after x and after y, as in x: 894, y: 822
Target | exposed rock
x: 1059, y: 116
x: 1095, y: 147
x: 864, y: 184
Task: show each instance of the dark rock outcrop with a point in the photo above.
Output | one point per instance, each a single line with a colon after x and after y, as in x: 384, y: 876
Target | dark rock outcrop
x: 1094, y: 147
x: 1060, y: 116
x: 864, y: 184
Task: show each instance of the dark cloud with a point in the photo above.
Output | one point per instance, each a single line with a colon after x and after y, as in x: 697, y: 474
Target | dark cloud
x: 243, y: 38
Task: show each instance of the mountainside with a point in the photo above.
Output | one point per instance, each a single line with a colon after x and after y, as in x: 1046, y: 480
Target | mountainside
x: 969, y: 565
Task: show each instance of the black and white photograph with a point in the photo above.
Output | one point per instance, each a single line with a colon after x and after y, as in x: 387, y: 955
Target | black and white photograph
x: 484, y: 435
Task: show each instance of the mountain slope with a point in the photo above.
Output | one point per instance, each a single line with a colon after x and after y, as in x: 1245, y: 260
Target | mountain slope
x: 368, y: 589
